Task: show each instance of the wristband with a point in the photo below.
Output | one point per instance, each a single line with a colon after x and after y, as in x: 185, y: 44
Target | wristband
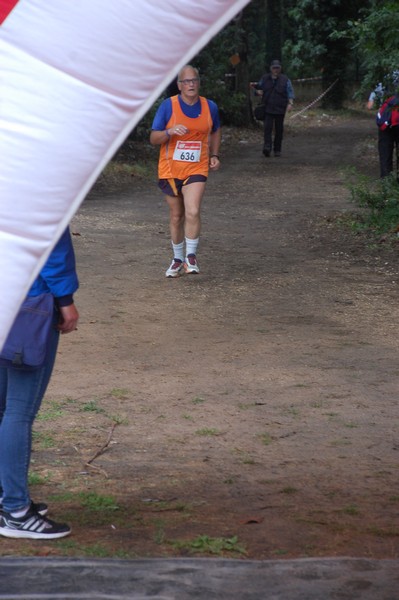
x: 215, y: 156
x: 167, y: 134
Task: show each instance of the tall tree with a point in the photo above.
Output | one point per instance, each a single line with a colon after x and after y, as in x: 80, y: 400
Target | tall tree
x: 315, y: 46
x: 274, y: 30
x: 374, y: 36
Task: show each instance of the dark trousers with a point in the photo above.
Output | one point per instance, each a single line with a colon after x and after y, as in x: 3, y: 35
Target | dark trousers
x: 275, y: 122
x: 387, y: 140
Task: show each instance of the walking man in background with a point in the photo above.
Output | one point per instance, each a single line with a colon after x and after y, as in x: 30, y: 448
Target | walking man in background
x: 277, y: 97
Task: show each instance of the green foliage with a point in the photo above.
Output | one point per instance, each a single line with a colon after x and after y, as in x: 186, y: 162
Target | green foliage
x: 379, y: 199
x: 218, y: 77
x: 374, y: 36
x: 336, y: 39
x: 318, y: 47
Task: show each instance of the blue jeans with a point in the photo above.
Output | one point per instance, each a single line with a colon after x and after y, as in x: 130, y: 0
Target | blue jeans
x: 21, y: 394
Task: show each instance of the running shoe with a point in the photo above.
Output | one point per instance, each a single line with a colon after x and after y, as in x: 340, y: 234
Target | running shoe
x: 175, y: 269
x: 32, y: 526
x: 191, y: 265
x: 39, y: 507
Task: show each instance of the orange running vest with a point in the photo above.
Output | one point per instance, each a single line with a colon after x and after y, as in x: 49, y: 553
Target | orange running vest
x: 182, y: 156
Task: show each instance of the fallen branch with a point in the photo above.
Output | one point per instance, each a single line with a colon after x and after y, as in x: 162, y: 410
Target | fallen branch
x: 103, y: 448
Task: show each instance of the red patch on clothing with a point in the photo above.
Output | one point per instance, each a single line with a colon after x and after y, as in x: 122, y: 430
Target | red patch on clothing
x: 6, y: 7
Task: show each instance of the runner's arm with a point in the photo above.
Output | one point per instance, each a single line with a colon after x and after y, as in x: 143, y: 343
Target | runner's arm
x: 214, y: 146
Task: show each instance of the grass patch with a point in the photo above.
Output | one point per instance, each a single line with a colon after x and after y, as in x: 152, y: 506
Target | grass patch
x: 198, y: 400
x: 292, y: 411
x: 44, y: 440
x: 121, y: 170
x: 280, y: 552
x: 72, y: 548
x: 50, y: 411
x: 203, y: 544
x: 289, y: 489
x: 97, y: 502
x: 120, y: 393
x: 163, y: 506
x: 188, y: 417
x: 244, y: 456
x: 351, y: 509
x: 340, y: 443
x: 206, y: 431
x: 380, y: 532
x: 92, y: 406
x: 265, y: 438
x: 246, y: 405
x: 36, y: 479
x: 90, y: 500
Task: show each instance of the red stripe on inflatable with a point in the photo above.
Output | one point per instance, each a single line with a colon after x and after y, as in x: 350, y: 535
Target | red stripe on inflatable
x: 6, y: 7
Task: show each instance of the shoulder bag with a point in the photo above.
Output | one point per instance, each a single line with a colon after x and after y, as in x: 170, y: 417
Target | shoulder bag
x: 27, y: 342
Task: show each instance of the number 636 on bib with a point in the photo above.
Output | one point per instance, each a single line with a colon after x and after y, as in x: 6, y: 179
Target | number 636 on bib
x: 187, y: 151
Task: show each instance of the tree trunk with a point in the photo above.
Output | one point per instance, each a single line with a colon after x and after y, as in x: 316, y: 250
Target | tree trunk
x: 242, y: 71
x: 273, y: 30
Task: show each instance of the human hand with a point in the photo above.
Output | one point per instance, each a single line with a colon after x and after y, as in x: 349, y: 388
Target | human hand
x: 214, y: 163
x: 69, y: 318
x: 178, y: 130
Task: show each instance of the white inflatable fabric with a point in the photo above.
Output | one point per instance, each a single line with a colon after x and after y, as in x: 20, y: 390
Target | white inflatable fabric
x: 75, y: 78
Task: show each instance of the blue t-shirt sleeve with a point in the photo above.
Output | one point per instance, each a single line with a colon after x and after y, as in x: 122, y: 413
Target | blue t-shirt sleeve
x: 58, y: 275
x: 162, y: 115
x: 215, y: 115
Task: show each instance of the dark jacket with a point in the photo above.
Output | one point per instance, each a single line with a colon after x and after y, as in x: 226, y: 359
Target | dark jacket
x: 275, y: 95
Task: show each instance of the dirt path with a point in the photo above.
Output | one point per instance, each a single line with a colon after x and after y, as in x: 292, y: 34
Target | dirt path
x: 257, y: 401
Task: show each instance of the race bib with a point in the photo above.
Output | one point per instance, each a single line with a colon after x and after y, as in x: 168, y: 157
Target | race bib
x: 187, y: 152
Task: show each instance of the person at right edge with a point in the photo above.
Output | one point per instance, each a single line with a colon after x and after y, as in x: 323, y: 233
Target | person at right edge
x: 278, y: 97
x: 388, y: 137
x: 21, y: 393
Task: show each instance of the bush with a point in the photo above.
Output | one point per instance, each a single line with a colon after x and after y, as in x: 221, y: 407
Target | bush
x: 379, y: 199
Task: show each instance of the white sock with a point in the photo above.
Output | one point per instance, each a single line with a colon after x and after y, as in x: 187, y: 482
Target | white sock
x: 20, y: 513
x: 178, y: 251
x: 191, y: 246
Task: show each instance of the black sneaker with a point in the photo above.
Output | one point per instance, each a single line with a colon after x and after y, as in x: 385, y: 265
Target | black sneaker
x: 266, y: 151
x: 39, y: 507
x: 32, y: 525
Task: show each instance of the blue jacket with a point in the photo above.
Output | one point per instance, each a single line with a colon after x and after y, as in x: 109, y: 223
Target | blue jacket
x: 58, y: 275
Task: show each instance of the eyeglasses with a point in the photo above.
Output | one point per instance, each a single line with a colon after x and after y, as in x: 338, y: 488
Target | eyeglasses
x: 188, y: 81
